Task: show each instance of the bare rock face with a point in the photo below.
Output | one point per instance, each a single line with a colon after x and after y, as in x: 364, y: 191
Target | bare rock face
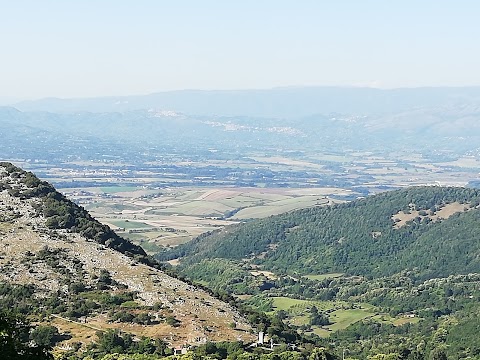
x: 48, y: 242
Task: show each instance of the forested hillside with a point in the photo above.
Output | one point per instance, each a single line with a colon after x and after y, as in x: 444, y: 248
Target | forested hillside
x: 431, y: 229
x: 395, y: 275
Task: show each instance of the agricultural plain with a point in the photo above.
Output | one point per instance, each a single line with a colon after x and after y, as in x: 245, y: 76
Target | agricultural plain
x: 167, y: 217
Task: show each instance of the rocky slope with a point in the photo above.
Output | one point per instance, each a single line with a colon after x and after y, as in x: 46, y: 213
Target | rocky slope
x: 64, y: 260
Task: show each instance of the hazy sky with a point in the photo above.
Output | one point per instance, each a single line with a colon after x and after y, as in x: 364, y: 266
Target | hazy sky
x: 72, y: 48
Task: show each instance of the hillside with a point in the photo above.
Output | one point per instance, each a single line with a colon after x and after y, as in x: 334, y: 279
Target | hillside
x: 61, y: 267
x: 395, y: 273
x: 430, y: 229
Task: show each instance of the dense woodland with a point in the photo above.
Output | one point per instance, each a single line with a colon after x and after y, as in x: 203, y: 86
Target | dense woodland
x: 356, y: 238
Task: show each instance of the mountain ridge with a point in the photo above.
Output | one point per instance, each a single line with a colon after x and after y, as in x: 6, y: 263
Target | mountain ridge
x: 276, y: 102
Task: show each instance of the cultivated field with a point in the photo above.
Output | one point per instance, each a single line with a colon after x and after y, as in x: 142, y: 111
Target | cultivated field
x: 340, y: 313
x: 321, y: 277
x: 156, y: 218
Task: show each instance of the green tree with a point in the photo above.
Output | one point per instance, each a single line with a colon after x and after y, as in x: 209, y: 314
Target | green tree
x: 438, y: 354
x: 14, y: 340
x: 320, y: 354
x: 44, y: 335
x: 110, y: 341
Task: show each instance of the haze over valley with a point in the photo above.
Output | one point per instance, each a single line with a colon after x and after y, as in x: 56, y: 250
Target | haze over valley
x: 181, y: 185
x: 250, y: 180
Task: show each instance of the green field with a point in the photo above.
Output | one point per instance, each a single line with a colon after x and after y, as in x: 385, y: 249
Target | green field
x: 154, y: 241
x: 341, y: 317
x: 278, y: 207
x: 297, y: 306
x: 198, y: 208
x: 242, y: 200
x: 127, y: 224
x: 321, y: 332
x: 321, y: 277
x: 404, y: 320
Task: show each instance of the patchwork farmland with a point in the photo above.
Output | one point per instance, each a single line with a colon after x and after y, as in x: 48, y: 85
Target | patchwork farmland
x: 156, y: 218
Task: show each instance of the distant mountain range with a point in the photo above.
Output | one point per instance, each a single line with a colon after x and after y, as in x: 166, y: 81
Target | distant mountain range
x: 288, y: 102
x: 451, y: 126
